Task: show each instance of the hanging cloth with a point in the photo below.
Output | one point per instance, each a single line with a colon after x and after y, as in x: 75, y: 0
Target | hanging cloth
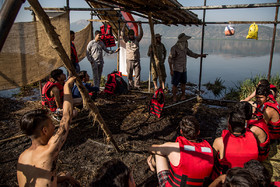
x: 107, y: 36
x: 253, y: 32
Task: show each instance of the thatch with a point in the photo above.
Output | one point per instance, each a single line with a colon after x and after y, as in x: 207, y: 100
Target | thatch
x: 163, y: 11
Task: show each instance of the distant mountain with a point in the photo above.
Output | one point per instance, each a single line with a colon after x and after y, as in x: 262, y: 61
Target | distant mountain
x: 211, y: 31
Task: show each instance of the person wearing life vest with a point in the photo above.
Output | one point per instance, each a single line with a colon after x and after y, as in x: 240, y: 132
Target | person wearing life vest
x: 52, y: 92
x: 270, y: 110
x: 191, y: 160
x: 238, y: 144
x: 272, y: 94
x: 74, y: 55
x: 258, y: 126
x: 107, y: 36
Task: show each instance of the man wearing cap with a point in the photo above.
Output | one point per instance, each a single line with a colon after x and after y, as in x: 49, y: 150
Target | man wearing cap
x: 132, y: 56
x: 178, y: 64
x: 157, y: 66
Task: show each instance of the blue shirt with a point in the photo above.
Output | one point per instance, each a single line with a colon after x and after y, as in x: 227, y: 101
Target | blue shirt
x: 76, y: 93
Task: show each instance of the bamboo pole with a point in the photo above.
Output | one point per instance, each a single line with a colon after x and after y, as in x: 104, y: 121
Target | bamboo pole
x: 272, y: 43
x: 56, y: 44
x: 8, y: 15
x: 119, y: 34
x: 231, y: 6
x: 153, y: 43
x: 202, y: 46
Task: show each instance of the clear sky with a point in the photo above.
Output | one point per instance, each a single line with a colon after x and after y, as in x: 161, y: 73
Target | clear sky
x: 253, y: 14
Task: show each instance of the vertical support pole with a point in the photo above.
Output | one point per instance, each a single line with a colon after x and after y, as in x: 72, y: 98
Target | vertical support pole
x: 273, y: 42
x: 8, y: 15
x: 91, y: 24
x: 119, y: 33
x: 202, y: 46
x: 153, y: 43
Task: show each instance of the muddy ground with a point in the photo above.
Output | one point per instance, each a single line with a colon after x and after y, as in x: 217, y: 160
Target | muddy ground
x: 133, y: 129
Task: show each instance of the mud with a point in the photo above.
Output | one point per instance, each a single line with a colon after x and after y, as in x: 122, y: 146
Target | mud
x: 133, y: 129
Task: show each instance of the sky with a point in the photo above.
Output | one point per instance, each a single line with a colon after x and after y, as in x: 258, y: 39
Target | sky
x: 252, y: 14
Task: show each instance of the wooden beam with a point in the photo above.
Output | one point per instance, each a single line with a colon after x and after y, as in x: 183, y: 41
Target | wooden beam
x: 8, y: 15
x: 231, y: 6
x: 272, y: 43
x: 56, y: 44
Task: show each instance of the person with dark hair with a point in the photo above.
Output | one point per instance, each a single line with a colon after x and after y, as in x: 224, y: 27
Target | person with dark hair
x: 264, y: 82
x: 91, y: 89
x: 113, y: 173
x: 132, y: 56
x: 95, y: 50
x: 258, y: 126
x: 238, y: 144
x: 52, y: 92
x: 270, y: 110
x: 37, y: 164
x: 191, y: 160
x: 157, y: 66
x: 178, y: 64
x: 259, y: 172
x: 239, y: 177
x: 74, y: 55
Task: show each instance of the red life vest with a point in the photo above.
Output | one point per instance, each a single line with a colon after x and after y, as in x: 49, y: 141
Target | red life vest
x: 107, y: 36
x: 238, y: 149
x: 263, y: 147
x: 74, y: 56
x: 196, y: 163
x: 157, y: 103
x: 274, y: 127
x: 47, y: 100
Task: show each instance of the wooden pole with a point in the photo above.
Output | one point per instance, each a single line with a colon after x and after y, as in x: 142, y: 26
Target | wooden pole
x: 56, y: 44
x: 153, y: 43
x: 202, y: 46
x: 231, y: 6
x: 8, y: 15
x: 272, y: 43
x: 119, y: 28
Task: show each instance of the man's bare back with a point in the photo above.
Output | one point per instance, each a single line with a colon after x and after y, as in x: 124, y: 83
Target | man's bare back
x: 37, y: 164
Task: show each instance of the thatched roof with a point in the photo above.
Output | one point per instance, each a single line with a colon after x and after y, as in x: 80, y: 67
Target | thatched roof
x: 163, y: 11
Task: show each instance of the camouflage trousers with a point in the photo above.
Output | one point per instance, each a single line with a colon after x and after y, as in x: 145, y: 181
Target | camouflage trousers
x: 158, y: 72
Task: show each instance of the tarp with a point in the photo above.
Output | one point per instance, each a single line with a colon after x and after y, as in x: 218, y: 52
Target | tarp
x: 27, y: 55
x: 82, y: 38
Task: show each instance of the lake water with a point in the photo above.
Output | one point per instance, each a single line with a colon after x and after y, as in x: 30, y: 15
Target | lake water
x: 231, y: 60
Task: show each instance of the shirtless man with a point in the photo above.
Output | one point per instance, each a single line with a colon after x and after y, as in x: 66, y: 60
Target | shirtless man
x: 37, y: 164
x: 191, y: 160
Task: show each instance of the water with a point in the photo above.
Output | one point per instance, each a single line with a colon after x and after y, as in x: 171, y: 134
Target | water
x: 231, y: 60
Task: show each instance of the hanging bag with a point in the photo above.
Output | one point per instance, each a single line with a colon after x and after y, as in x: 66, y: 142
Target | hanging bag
x: 253, y: 32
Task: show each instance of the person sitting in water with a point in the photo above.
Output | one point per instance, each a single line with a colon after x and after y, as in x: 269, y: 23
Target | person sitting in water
x: 113, y: 173
x: 37, y: 164
x: 191, y: 160
x: 91, y: 89
x: 238, y: 144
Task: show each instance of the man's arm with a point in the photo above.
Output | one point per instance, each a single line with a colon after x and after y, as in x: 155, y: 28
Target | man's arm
x: 195, y: 55
x: 123, y: 34
x: 89, y: 57
x: 56, y: 93
x: 140, y: 36
x: 163, y: 149
x: 164, y: 53
x: 57, y: 140
x: 150, y: 50
x: 217, y: 146
x: 171, y: 58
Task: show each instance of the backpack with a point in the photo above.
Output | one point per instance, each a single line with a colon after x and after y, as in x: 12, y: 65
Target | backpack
x: 157, y: 103
x: 115, y: 84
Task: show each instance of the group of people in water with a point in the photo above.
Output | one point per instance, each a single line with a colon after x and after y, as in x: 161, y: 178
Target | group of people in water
x: 235, y: 159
